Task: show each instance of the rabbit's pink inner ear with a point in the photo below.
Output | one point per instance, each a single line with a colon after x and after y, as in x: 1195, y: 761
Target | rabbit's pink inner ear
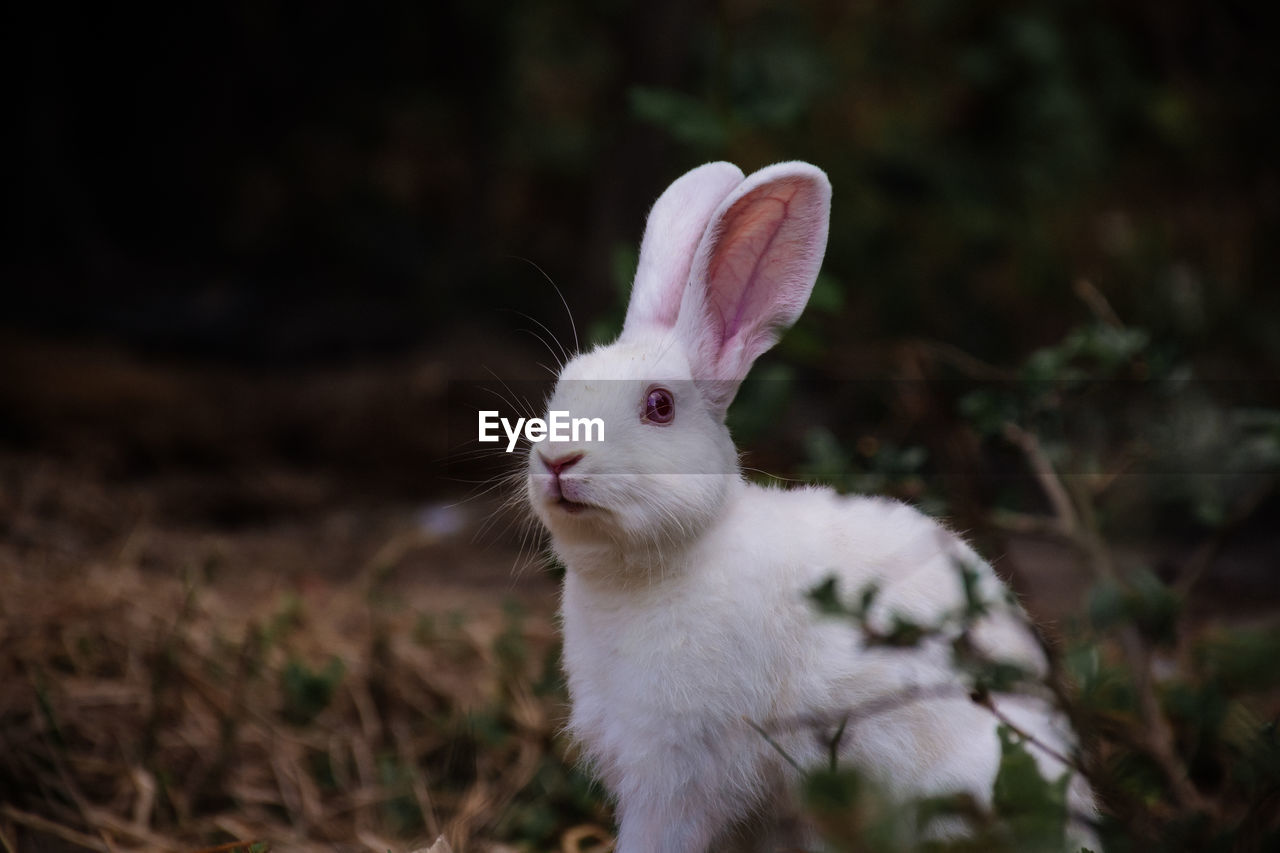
x: 759, y: 261
x: 744, y: 262
x: 671, y: 237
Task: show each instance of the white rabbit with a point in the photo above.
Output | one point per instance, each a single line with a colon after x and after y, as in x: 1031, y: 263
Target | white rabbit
x: 686, y: 621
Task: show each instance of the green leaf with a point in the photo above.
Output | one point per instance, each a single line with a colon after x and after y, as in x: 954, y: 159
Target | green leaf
x: 685, y: 118
x: 1241, y: 659
x: 1145, y: 601
x: 307, y: 692
x: 826, y: 597
x: 827, y: 296
x: 761, y: 402
x: 827, y: 790
x: 903, y: 633
x: 1034, y: 808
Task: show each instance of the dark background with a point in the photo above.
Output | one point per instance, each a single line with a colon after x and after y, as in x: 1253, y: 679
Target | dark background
x: 296, y: 235
x: 271, y: 182
x: 276, y: 236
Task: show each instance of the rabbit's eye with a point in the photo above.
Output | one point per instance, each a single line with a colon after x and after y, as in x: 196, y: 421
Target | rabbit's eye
x: 659, y: 406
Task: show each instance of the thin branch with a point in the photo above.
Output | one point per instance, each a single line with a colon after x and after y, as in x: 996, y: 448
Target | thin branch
x: 1078, y: 518
x: 1097, y: 303
x: 834, y: 746
x: 773, y: 743
x: 970, y: 365
x: 1026, y: 523
x: 1063, y: 510
x: 984, y: 700
x: 1088, y: 532
x: 866, y: 710
x: 897, y: 700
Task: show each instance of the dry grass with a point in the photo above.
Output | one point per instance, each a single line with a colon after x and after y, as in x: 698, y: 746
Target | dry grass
x: 147, y: 713
x: 223, y: 619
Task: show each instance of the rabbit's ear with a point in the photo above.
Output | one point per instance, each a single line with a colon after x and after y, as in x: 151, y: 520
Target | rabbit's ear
x: 753, y: 271
x: 676, y: 225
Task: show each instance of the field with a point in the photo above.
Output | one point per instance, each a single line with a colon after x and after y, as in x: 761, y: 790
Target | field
x: 229, y: 616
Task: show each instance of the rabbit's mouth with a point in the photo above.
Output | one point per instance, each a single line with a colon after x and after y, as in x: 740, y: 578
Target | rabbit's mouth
x: 571, y: 507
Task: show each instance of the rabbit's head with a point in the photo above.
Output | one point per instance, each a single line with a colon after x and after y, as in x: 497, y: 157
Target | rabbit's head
x: 726, y: 265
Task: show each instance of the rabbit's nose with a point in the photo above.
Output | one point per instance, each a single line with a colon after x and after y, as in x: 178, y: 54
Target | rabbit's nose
x: 560, y: 463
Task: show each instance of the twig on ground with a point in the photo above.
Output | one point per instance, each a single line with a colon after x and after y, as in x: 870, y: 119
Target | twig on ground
x: 49, y: 827
x: 418, y: 784
x: 72, y: 791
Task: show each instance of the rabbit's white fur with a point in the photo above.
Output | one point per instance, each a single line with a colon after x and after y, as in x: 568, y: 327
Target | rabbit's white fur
x: 686, y: 621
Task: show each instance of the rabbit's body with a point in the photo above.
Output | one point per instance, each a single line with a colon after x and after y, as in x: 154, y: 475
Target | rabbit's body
x: 688, y: 629
x: 669, y: 671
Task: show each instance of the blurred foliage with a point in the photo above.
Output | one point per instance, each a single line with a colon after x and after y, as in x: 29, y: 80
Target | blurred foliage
x: 1177, y: 722
x: 873, y: 468
x: 1025, y: 811
x: 307, y: 692
x: 985, y: 156
x: 278, y: 185
x: 1210, y: 785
